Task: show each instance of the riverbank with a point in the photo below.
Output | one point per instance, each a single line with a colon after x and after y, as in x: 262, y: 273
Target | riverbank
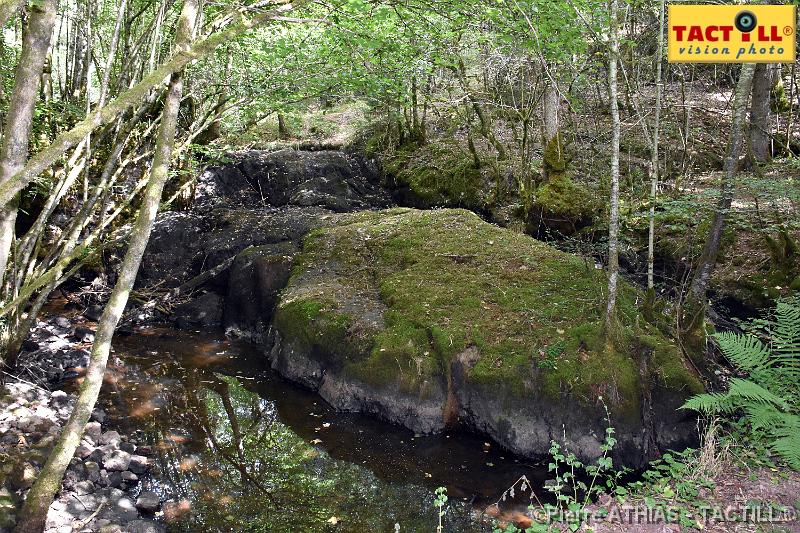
x: 107, y: 486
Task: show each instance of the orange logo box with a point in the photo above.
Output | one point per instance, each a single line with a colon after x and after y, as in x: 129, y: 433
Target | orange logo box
x: 731, y: 33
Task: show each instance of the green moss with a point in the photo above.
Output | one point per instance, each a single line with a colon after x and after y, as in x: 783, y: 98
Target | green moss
x: 560, y: 196
x: 669, y: 366
x: 779, y: 102
x: 440, y: 174
x: 555, y: 157
x: 448, y: 281
x: 323, y: 330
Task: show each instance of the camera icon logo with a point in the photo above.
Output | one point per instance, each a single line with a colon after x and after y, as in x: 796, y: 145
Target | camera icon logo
x: 745, y: 21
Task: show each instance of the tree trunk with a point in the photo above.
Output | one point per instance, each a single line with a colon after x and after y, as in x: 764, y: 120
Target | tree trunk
x: 613, y: 224
x: 654, y: 154
x: 759, y: 113
x: 708, y: 259
x: 39, y: 498
x: 550, y: 105
x: 17, y: 133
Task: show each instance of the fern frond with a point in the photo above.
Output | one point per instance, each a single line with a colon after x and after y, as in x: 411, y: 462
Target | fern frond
x: 767, y: 416
x: 788, y: 447
x: 745, y: 351
x: 710, y: 403
x: 753, y: 392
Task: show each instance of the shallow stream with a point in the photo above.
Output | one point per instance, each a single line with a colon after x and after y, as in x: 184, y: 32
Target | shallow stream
x: 238, y: 448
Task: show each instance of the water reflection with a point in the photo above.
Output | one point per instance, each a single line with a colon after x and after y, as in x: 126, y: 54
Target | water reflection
x: 239, y: 449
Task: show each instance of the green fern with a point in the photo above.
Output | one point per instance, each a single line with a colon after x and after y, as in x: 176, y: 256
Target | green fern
x: 769, y: 398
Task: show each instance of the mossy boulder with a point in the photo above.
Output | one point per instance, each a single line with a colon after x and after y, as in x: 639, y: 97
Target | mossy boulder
x: 440, y: 174
x: 562, y: 206
x: 436, y: 318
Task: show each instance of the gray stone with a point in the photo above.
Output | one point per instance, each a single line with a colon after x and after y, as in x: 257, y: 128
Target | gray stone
x: 84, y: 487
x: 144, y: 526
x: 129, y: 477
x: 121, y: 510
x: 59, y: 398
x: 93, y: 430
x: 139, y: 464
x: 92, y: 471
x: 115, y: 480
x: 83, y: 451
x: 110, y: 437
x: 148, y: 501
x: 117, y: 460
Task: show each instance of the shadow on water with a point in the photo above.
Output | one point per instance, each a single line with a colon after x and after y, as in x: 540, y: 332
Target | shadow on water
x: 240, y: 449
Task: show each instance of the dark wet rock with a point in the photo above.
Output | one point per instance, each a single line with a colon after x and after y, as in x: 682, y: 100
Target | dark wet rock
x: 62, y: 322
x: 93, y: 312
x: 148, y: 501
x: 204, y: 310
x: 144, y: 526
x: 83, y: 334
x: 98, y: 415
x: 114, y: 480
x: 331, y: 179
x: 256, y: 278
x: 261, y: 198
x: 110, y: 437
x: 59, y: 398
x: 120, y: 510
x: 139, y: 464
x: 84, y: 487
x: 93, y: 430
x: 30, y: 345
x: 127, y: 447
x: 92, y: 471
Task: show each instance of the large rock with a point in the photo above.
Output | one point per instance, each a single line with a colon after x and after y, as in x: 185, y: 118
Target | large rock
x: 436, y: 318
x: 334, y: 180
x: 256, y: 278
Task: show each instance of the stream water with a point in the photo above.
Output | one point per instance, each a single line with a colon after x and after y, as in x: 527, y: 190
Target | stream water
x: 240, y: 449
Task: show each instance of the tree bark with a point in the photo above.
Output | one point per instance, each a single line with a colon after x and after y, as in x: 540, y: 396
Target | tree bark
x: 654, y: 153
x: 759, y: 113
x: 708, y: 259
x: 16, y: 137
x: 550, y: 105
x: 39, y: 498
x: 613, y: 224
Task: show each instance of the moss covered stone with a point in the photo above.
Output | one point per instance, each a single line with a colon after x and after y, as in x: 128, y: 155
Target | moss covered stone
x: 393, y: 299
x: 438, y: 174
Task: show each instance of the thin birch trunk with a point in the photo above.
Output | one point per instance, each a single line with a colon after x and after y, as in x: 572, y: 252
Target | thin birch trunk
x: 654, y: 152
x: 708, y: 259
x: 613, y: 225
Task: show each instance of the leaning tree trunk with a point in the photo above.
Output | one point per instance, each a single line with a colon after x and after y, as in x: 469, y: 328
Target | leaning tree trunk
x: 759, y: 113
x: 17, y: 133
x: 34, y: 512
x: 708, y: 259
x: 613, y: 223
